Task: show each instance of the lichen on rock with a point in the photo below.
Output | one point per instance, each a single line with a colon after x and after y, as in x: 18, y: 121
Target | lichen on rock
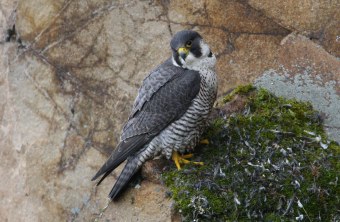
x: 271, y: 161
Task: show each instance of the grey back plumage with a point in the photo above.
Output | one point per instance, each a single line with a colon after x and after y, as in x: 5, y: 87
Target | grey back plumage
x: 151, y: 84
x: 154, y: 111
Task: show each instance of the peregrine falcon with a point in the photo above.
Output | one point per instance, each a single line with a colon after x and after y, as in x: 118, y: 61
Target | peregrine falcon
x: 170, y: 111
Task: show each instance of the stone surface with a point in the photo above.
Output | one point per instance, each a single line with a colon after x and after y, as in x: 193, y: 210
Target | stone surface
x: 330, y: 39
x: 12, y: 160
x: 145, y: 203
x: 309, y: 73
x: 319, y: 20
x: 304, y: 16
x: 66, y: 91
x: 7, y: 17
x: 243, y: 64
x: 153, y: 169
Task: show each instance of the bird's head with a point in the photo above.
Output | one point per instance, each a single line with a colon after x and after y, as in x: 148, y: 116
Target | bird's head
x: 190, y: 51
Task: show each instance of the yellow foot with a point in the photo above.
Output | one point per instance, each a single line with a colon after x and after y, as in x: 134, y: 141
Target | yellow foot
x: 205, y: 142
x: 178, y: 159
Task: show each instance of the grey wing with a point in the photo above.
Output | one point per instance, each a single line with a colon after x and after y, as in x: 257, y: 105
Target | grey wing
x: 153, y: 82
x: 166, y: 105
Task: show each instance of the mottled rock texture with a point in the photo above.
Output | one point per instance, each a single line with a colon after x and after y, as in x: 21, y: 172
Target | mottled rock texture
x: 309, y: 73
x: 69, y: 76
x: 319, y: 20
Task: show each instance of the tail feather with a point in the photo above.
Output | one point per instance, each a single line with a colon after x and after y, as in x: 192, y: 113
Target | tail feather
x: 103, y: 177
x: 108, y: 167
x: 124, y: 149
x: 131, y: 167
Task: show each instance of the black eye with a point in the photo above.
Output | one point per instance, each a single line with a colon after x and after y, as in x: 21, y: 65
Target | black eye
x: 210, y: 54
x: 188, y: 44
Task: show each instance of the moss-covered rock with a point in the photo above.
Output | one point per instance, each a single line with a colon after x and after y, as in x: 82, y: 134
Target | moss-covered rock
x: 271, y: 162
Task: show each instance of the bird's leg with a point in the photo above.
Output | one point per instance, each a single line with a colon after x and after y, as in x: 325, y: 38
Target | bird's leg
x: 178, y: 159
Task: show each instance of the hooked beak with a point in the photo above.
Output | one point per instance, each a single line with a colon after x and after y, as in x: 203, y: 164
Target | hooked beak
x: 183, y: 52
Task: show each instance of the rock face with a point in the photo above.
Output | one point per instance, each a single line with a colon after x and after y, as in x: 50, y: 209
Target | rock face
x: 7, y: 17
x: 319, y: 20
x: 69, y: 76
x: 305, y: 16
x: 308, y: 74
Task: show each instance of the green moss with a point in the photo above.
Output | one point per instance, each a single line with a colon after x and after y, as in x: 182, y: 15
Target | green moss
x: 240, y: 90
x: 274, y: 163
